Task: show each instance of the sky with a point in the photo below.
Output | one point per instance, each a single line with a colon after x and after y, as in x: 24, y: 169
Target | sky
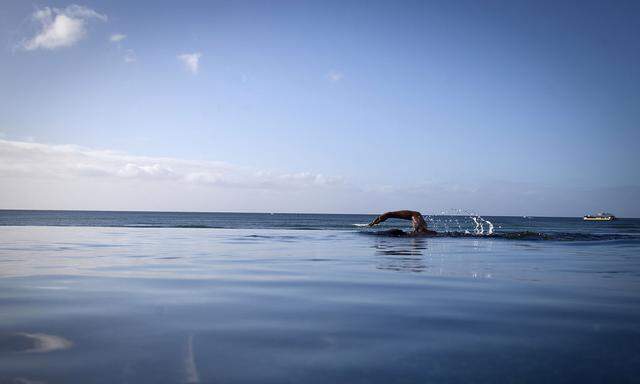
x: 492, y: 107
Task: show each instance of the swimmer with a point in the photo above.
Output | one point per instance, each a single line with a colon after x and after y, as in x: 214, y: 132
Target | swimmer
x: 419, y: 225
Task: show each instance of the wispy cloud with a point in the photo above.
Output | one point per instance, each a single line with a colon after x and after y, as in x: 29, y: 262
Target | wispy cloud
x: 37, y: 160
x: 117, y: 37
x: 191, y: 61
x: 335, y: 76
x: 59, y: 28
x: 44, y: 176
x: 130, y: 56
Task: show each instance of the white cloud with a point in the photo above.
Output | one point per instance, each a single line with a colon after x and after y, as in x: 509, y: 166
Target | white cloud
x: 130, y: 56
x: 117, y: 37
x: 334, y: 76
x: 44, y: 161
x: 82, y: 12
x: 60, y: 28
x: 191, y: 61
x: 42, y: 176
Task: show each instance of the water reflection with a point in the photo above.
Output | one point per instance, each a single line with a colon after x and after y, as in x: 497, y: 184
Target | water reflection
x: 434, y: 256
x: 328, y: 307
x: 406, y: 255
x: 31, y: 342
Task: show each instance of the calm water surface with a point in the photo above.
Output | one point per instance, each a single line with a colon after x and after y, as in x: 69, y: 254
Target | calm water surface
x: 273, y: 303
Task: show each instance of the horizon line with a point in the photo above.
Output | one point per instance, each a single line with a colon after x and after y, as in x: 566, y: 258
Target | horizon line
x: 278, y: 213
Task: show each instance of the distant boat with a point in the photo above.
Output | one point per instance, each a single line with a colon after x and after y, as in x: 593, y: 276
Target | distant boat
x: 603, y: 216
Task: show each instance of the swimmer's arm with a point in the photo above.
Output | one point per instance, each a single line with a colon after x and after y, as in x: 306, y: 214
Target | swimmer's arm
x: 403, y: 215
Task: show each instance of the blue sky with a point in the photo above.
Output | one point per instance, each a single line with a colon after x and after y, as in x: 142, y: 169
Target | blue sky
x: 506, y: 107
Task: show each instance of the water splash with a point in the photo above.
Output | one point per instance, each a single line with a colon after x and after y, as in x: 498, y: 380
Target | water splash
x: 490, y: 231
x: 479, y: 229
x: 461, y: 221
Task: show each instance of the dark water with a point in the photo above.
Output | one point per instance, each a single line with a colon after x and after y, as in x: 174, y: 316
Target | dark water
x: 87, y: 297
x: 542, y: 228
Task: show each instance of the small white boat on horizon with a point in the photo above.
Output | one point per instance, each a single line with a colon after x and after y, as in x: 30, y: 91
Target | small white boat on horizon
x: 603, y: 216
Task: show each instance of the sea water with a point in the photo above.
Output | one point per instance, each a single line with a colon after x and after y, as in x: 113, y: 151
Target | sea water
x: 147, y: 297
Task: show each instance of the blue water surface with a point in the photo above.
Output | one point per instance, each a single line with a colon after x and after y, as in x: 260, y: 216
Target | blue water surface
x: 130, y: 297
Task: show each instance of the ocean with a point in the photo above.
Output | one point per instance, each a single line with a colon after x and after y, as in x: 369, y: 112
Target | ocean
x: 165, y: 297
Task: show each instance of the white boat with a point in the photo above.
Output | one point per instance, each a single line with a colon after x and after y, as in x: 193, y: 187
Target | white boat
x: 603, y: 216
